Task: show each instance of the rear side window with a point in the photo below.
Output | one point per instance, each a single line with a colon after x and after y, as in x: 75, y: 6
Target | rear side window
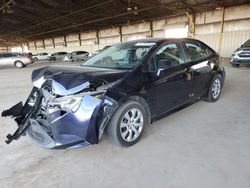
x: 80, y: 52
x: 9, y: 55
x: 246, y: 44
x: 61, y: 53
x: 140, y: 53
x: 171, y: 53
x: 197, y: 51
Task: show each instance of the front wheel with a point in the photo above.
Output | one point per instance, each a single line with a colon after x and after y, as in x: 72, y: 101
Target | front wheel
x: 215, y: 87
x: 127, y: 124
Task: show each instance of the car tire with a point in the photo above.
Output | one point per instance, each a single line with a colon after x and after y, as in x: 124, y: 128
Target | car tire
x: 35, y: 59
x: 235, y: 65
x: 215, y: 88
x: 19, y: 64
x: 53, y: 58
x: 127, y: 124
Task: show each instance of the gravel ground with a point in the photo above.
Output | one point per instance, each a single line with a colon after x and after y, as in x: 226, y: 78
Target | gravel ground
x: 201, y: 146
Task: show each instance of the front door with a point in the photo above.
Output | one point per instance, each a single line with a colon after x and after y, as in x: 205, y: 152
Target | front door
x: 173, y: 85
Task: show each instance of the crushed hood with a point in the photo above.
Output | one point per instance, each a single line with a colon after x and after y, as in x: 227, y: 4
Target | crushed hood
x: 70, y: 79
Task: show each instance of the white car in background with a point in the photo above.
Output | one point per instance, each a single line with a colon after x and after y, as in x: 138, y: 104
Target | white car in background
x: 41, y: 56
x: 16, y: 60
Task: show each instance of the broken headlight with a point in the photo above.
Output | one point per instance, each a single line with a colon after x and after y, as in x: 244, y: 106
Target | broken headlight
x: 68, y: 103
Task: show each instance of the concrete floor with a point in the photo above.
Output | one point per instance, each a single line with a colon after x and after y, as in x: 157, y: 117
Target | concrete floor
x: 204, y: 145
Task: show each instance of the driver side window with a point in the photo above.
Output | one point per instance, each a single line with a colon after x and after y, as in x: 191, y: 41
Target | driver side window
x: 170, y: 54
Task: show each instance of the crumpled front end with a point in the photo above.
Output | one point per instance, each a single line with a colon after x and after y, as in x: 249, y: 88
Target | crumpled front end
x: 60, y: 121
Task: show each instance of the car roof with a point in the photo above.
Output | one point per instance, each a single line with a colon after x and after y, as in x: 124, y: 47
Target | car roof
x: 160, y: 40
x: 79, y: 51
x: 61, y: 52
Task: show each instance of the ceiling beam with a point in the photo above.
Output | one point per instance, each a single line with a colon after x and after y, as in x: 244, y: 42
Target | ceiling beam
x: 6, y: 4
x: 58, y: 18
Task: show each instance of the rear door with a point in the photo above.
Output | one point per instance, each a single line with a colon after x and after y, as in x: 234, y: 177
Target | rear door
x: 41, y: 56
x: 1, y: 59
x: 80, y: 55
x: 200, y: 64
x: 61, y: 55
x: 8, y: 59
x: 45, y: 56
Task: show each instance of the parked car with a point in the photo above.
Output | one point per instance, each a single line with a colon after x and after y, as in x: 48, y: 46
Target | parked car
x: 241, y: 55
x: 120, y: 90
x: 58, y: 56
x: 76, y: 56
x: 41, y: 56
x: 14, y: 59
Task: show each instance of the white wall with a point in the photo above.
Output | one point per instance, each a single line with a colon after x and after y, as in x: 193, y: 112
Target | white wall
x: 207, y: 29
x: 236, y: 28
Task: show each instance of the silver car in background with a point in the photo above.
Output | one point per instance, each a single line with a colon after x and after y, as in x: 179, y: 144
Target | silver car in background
x: 76, y: 56
x: 41, y: 56
x: 58, y: 56
x: 16, y: 60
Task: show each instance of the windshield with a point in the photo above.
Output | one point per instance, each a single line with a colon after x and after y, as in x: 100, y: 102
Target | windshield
x: 246, y: 44
x: 121, y: 56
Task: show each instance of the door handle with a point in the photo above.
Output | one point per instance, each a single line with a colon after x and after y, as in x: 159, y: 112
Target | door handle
x: 189, y: 74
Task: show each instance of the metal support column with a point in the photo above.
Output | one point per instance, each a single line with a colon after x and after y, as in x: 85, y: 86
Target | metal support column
x: 35, y: 45
x: 221, y: 30
x: 65, y: 41
x: 151, y: 29
x: 191, y: 24
x: 97, y: 37
x: 120, y: 33
x: 53, y: 42
x: 80, y: 38
x: 43, y: 44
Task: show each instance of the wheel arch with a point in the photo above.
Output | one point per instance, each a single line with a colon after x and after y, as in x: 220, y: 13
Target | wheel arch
x: 144, y: 103
x: 213, y: 73
x: 135, y: 97
x: 220, y: 72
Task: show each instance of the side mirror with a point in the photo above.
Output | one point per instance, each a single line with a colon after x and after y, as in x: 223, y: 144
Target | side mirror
x: 162, y: 65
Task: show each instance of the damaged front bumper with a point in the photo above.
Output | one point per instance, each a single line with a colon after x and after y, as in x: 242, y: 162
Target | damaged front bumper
x: 60, y: 122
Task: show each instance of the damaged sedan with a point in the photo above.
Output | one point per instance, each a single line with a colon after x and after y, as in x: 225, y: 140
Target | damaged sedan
x: 119, y: 91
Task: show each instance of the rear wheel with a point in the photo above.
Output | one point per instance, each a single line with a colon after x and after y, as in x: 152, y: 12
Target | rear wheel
x: 35, y: 59
x: 53, y: 58
x: 215, y: 88
x: 19, y: 64
x: 127, y: 124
